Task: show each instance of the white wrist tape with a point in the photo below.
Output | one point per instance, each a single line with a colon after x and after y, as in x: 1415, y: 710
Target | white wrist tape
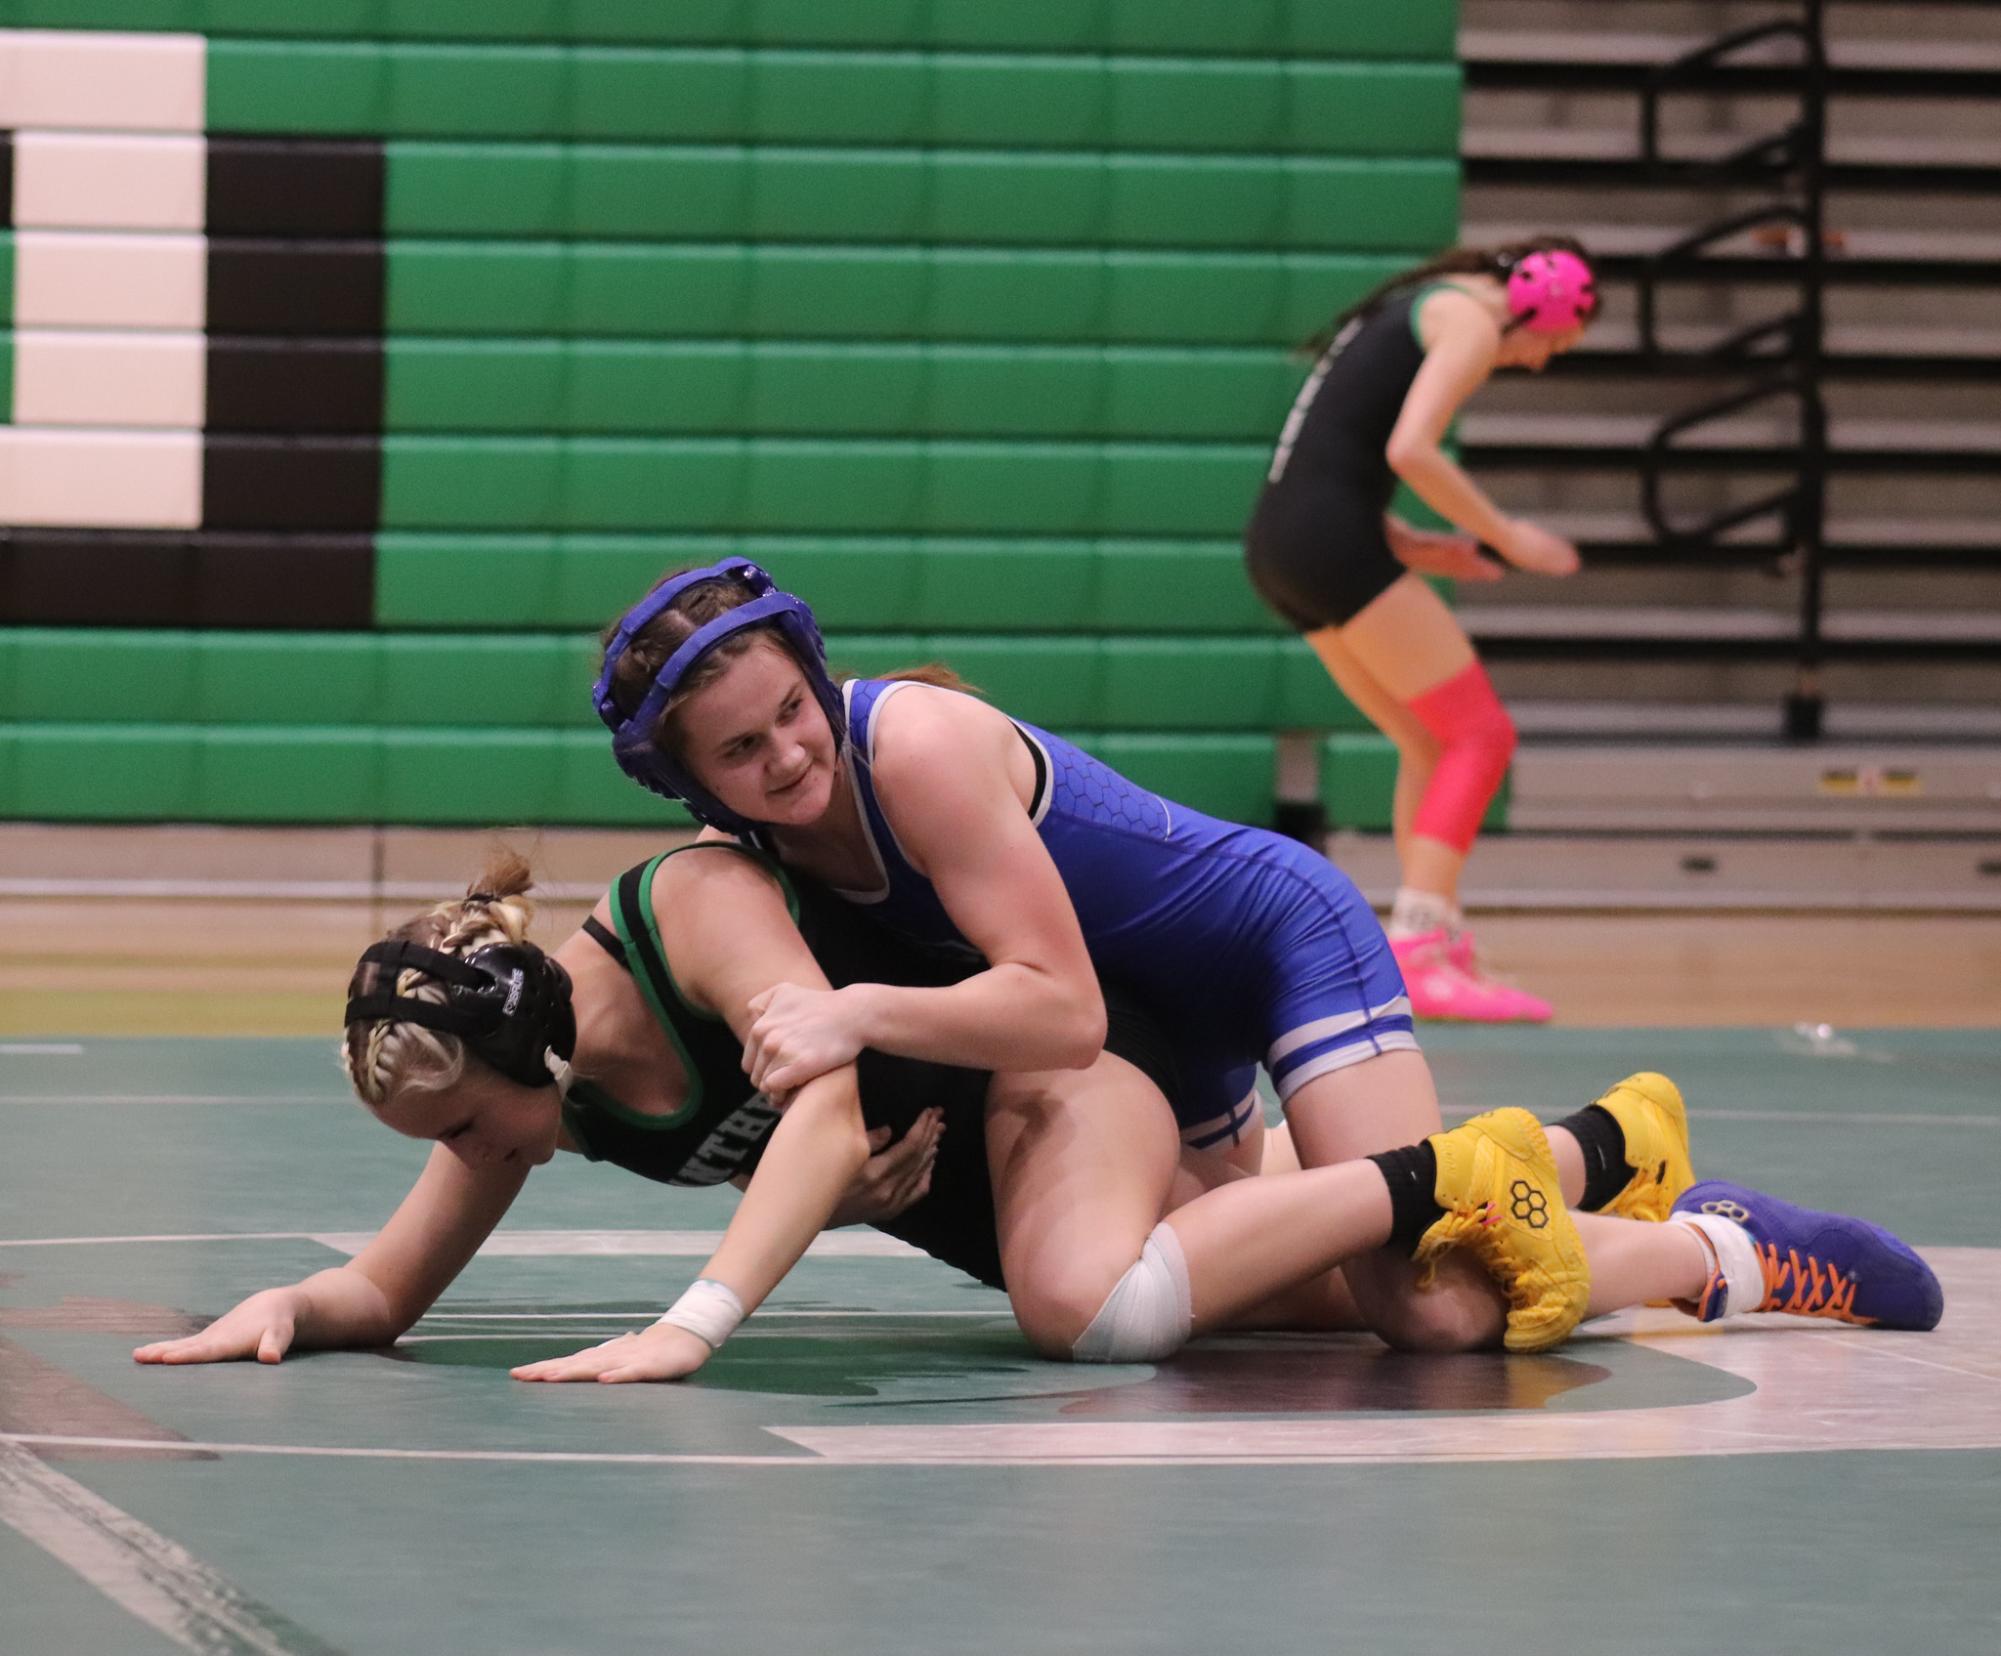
x: 708, y: 1310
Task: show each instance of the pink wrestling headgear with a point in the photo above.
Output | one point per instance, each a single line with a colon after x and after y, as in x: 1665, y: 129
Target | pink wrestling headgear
x: 1551, y: 290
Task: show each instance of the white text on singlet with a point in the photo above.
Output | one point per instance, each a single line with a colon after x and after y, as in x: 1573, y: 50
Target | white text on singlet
x: 1300, y: 404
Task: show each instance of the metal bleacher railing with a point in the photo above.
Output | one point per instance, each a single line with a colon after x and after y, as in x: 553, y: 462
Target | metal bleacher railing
x: 1739, y: 476
x: 1781, y: 356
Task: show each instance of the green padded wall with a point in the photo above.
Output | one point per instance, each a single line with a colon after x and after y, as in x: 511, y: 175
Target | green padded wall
x: 971, y: 321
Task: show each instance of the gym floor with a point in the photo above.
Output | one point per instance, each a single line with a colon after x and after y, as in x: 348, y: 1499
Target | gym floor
x: 876, y: 1462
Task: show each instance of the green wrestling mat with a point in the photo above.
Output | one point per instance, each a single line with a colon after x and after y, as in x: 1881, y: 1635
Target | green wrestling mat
x: 877, y: 1463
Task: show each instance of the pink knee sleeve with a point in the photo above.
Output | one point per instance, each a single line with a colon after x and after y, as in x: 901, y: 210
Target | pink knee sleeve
x: 1478, y: 739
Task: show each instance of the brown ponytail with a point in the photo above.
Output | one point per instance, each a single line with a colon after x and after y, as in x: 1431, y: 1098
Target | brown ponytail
x: 934, y: 673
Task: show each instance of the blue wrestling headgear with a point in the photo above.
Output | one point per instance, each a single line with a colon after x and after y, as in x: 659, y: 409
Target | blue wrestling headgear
x: 632, y: 738
x: 508, y: 1002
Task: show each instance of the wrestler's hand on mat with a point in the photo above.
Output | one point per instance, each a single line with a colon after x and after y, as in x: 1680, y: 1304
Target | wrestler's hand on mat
x: 896, y: 1176
x: 799, y: 1035
x: 1527, y: 546
x: 1428, y: 552
x: 261, y: 1327
x: 662, y: 1352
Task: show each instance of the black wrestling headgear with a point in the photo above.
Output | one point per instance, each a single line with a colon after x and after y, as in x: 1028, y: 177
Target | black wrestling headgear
x: 509, y: 1002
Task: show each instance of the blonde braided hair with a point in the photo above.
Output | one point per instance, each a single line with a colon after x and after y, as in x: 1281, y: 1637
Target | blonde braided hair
x: 381, y: 1057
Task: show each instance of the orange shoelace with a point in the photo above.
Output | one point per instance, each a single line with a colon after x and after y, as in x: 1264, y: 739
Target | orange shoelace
x: 1816, y: 1290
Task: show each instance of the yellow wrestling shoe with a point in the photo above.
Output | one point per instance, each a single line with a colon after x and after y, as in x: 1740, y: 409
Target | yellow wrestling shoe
x: 1497, y: 1183
x: 1649, y: 1111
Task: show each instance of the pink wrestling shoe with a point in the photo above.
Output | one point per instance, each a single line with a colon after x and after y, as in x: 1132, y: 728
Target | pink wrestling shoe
x: 1445, y: 982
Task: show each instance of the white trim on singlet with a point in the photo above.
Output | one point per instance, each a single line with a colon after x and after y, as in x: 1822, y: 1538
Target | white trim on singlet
x: 1038, y: 807
x: 1303, y: 403
x: 1356, y: 1052
x: 1321, y: 1028
x: 1231, y: 1124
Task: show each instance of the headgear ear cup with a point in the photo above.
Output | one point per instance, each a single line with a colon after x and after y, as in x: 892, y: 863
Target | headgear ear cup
x: 1551, y: 290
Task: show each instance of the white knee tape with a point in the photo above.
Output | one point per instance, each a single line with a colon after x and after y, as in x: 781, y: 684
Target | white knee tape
x: 1148, y: 1315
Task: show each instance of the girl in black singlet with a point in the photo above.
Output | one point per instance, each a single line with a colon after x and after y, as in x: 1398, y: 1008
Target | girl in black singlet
x: 1325, y: 553
x: 655, y: 1083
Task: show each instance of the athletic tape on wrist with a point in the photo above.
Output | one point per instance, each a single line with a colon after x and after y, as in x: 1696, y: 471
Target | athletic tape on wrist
x: 708, y: 1310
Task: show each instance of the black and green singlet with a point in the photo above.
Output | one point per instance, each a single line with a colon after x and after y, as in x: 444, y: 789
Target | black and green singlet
x: 722, y: 1125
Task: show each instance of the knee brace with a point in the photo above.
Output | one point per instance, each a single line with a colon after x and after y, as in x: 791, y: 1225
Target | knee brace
x: 1148, y: 1315
x: 1478, y: 739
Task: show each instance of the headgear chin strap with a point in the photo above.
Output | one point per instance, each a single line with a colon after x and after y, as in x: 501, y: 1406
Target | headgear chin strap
x: 1550, y: 290
x: 509, y: 1002
x: 632, y: 738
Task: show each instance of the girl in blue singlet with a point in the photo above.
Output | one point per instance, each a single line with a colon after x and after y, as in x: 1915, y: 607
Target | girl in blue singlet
x: 1250, y: 947
x: 973, y: 833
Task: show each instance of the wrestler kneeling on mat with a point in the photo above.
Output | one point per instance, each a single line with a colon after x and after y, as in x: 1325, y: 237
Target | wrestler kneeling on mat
x: 466, y: 1034
x: 625, y: 1045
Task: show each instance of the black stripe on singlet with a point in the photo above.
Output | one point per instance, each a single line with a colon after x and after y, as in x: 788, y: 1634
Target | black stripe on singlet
x: 630, y: 896
x: 1041, y: 771
x: 606, y: 939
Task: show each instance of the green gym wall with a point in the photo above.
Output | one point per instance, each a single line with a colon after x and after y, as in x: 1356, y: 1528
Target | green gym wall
x: 362, y: 358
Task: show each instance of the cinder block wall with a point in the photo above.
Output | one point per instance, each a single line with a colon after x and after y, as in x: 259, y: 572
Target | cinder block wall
x: 363, y: 357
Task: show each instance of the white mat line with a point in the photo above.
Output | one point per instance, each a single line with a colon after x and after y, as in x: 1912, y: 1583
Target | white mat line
x: 1865, y: 1118
x: 853, y: 1455
x: 109, y: 1241
x: 174, y: 1098
x: 1871, y: 1346
x: 1455, y: 1112
x: 1831, y: 1118
x: 603, y: 1457
x: 340, y: 891
x: 640, y: 1244
x: 136, y: 1567
x: 527, y: 1244
x: 613, y: 1327
x: 765, y: 1314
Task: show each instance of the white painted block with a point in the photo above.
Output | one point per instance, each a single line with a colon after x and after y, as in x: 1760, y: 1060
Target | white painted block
x: 100, y: 479
x: 109, y: 379
x: 69, y: 280
x: 81, y: 78
x: 99, y: 181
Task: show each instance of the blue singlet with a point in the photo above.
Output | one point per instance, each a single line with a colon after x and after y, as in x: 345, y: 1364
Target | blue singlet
x: 1249, y: 947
